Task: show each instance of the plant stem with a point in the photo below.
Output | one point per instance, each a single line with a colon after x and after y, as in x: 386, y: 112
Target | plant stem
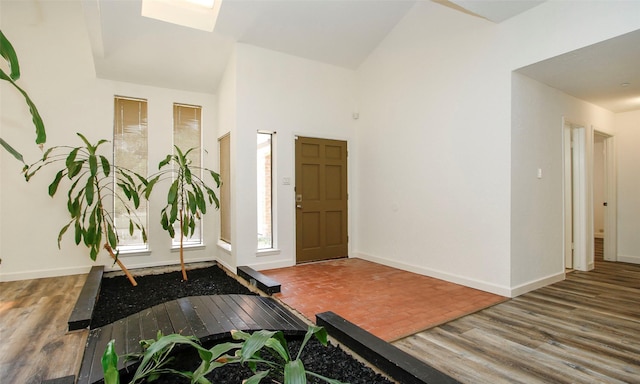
x: 124, y: 269
x: 184, y: 271
x: 132, y: 280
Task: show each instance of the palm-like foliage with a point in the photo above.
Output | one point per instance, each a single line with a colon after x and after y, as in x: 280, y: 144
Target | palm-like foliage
x: 187, y: 198
x: 10, y: 56
x: 92, y: 179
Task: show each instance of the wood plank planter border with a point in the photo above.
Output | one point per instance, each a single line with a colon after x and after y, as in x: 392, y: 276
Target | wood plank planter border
x: 396, y: 363
x: 80, y: 317
x: 257, y: 279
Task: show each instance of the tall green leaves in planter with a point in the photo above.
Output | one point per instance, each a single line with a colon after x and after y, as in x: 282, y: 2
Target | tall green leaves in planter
x: 92, y: 178
x: 187, y: 198
x: 10, y: 56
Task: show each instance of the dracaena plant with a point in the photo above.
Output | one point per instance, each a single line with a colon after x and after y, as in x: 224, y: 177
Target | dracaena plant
x: 93, y: 180
x: 156, y: 357
x: 188, y: 196
x: 9, y: 54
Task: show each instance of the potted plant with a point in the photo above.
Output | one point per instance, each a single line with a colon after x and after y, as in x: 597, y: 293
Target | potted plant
x: 92, y: 178
x: 10, y: 56
x: 187, y: 198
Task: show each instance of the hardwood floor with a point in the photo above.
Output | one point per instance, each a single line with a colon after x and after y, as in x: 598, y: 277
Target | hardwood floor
x: 33, y: 323
x: 585, y: 329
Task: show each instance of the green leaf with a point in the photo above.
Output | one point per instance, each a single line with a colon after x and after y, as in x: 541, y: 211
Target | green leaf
x: 254, y: 343
x: 112, y: 237
x: 130, y: 228
x: 62, y: 232
x: 9, y: 54
x: 53, y: 187
x: 149, y: 186
x: 74, y: 169
x: 93, y: 165
x: 216, y: 177
x: 10, y: 149
x: 88, y: 192
x: 255, y: 379
x: 71, y: 158
x: 173, y: 192
x: 90, y: 148
x: 110, y: 364
x: 78, y: 233
x: 94, y: 252
x: 106, y: 166
x: 173, y: 215
x: 294, y: 373
x: 164, y: 162
x: 187, y: 175
x: 191, y: 199
x: 319, y: 332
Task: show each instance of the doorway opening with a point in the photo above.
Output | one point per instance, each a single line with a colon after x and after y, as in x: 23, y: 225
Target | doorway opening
x: 589, y: 196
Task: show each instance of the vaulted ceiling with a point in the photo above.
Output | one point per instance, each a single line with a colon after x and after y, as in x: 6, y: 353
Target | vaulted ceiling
x: 129, y: 47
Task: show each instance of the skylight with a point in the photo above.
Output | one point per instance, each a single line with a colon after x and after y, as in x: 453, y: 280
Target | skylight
x: 197, y: 14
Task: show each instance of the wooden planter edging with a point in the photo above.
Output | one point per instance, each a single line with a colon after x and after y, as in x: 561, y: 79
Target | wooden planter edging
x: 396, y: 363
x: 208, y: 318
x: 255, y: 278
x: 83, y: 311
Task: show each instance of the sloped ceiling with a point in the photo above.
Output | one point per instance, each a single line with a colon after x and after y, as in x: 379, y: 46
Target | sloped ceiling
x: 132, y: 48
x: 129, y: 47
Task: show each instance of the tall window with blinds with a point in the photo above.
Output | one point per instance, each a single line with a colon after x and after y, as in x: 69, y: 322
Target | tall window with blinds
x: 187, y: 134
x: 225, y: 188
x: 130, y: 151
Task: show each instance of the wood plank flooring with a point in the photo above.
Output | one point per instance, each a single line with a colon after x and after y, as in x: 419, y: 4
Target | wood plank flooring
x: 585, y: 329
x: 34, y: 343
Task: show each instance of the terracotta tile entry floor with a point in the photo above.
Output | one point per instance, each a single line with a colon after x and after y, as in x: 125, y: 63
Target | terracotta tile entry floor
x: 388, y: 302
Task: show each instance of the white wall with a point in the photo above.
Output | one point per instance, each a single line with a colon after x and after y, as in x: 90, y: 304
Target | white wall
x: 55, y: 57
x: 291, y: 96
x: 537, y: 242
x: 627, y: 141
x: 434, y: 190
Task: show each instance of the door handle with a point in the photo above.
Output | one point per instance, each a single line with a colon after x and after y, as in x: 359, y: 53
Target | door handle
x: 299, y: 206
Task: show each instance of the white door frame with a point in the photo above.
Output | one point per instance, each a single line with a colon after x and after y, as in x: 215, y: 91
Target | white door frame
x: 568, y: 197
x: 610, y: 193
x: 582, y: 204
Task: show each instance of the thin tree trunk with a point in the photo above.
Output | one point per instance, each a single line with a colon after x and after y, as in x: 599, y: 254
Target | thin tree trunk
x: 132, y: 280
x: 184, y: 271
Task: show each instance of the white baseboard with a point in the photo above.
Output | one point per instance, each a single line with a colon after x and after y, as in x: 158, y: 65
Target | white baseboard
x: 481, y: 285
x: 272, y: 265
x: 629, y: 259
x: 533, y: 285
x: 227, y: 266
x: 43, y: 273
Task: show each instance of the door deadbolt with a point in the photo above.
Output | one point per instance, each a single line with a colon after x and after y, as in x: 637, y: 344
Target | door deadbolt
x: 298, y: 198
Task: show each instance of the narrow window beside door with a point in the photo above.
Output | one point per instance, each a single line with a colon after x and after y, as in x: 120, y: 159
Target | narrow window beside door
x: 265, y: 190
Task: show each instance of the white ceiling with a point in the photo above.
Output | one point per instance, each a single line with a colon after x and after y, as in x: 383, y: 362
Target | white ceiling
x: 596, y: 73
x: 129, y: 47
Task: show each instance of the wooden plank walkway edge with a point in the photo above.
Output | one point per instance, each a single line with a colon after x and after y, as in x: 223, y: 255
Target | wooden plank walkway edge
x: 209, y: 318
x: 394, y: 362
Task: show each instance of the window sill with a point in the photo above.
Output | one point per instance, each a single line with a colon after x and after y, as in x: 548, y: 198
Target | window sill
x: 134, y: 253
x: 194, y: 247
x: 224, y: 246
x: 267, y: 252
